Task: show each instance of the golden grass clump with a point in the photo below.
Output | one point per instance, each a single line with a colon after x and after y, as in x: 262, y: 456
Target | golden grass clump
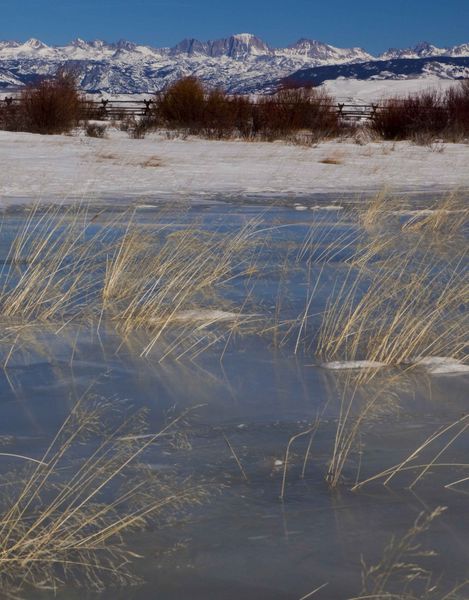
x: 397, y: 295
x: 65, y: 520
x: 67, y: 263
x: 401, y: 573
x: 448, y: 216
x: 362, y: 398
x: 154, y: 284
x: 378, y: 209
x: 50, y: 268
x: 398, y: 299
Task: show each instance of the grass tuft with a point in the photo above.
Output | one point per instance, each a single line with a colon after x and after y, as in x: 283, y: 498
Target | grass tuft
x: 67, y: 518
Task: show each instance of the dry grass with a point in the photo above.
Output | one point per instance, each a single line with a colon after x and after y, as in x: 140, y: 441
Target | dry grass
x: 154, y: 286
x: 152, y: 162
x: 400, y: 574
x: 49, y: 271
x: 437, y: 444
x: 333, y: 159
x: 397, y: 301
x: 104, y: 156
x: 65, y: 264
x: 448, y: 216
x: 378, y: 209
x: 364, y: 398
x: 400, y: 295
x: 65, y: 520
x: 361, y: 398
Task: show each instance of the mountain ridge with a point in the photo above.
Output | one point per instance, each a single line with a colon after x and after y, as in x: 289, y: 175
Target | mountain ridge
x: 242, y: 63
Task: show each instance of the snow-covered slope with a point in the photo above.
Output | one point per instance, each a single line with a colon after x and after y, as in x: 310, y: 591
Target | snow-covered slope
x: 241, y: 63
x: 443, y: 67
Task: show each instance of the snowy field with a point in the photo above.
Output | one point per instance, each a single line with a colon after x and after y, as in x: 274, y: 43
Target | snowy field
x: 61, y: 167
x: 357, y: 91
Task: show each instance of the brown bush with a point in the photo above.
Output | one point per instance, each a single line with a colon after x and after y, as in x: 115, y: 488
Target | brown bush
x: 219, y: 115
x: 457, y: 104
x: 9, y: 114
x: 186, y: 105
x: 296, y: 109
x: 242, y: 108
x: 182, y: 104
x: 51, y: 106
x: 417, y: 116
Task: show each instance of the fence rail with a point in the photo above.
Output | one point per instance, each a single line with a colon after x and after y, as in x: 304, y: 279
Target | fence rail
x: 109, y: 109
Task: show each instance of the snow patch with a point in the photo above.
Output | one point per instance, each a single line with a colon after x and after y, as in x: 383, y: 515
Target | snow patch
x: 441, y: 365
x: 326, y: 207
x: 353, y: 364
x: 206, y: 315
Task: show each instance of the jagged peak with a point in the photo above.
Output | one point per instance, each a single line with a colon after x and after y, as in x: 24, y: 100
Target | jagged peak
x: 35, y: 44
x: 79, y: 43
x: 244, y: 37
x: 10, y: 44
x: 307, y: 42
x: 423, y: 46
x: 125, y: 45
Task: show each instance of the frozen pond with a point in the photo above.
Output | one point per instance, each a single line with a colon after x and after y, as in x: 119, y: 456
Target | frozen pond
x: 254, y: 386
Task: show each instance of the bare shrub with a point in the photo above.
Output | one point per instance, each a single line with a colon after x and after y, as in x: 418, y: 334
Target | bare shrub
x: 293, y: 110
x: 182, y: 104
x: 457, y: 102
x: 51, y: 106
x: 414, y: 116
x: 243, y: 115
x: 126, y: 124
x: 9, y: 115
x: 291, y: 113
x: 95, y: 130
x: 137, y: 128
x: 219, y: 114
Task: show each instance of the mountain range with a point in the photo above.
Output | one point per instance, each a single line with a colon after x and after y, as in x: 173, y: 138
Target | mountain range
x: 241, y: 63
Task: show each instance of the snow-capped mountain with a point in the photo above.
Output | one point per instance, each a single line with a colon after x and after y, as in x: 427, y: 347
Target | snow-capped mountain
x: 237, y: 47
x: 425, y: 50
x: 241, y: 63
x: 443, y: 67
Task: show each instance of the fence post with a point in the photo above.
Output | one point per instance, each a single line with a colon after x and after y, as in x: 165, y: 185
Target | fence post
x: 104, y: 103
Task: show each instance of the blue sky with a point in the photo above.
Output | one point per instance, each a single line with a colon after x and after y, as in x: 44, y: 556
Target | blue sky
x: 368, y: 23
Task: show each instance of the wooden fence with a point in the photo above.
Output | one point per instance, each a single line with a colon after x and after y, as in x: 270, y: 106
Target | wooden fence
x: 110, y: 109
